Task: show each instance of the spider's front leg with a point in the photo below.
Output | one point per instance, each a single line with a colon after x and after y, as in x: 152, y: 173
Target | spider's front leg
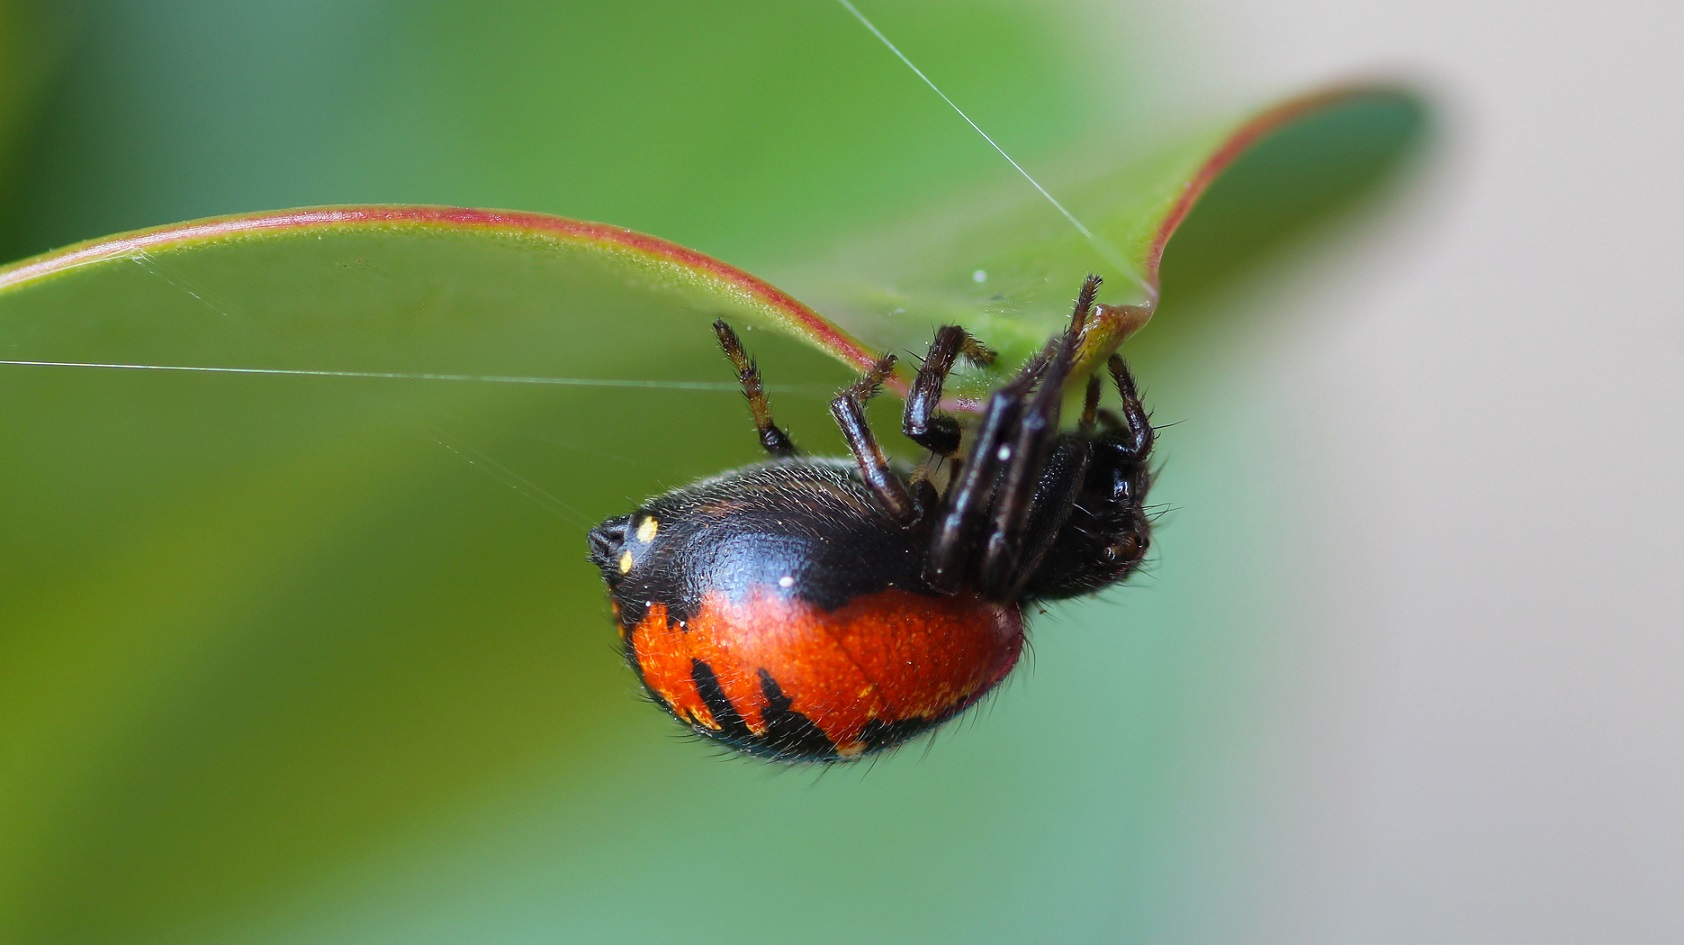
x: 968, y: 497
x: 1006, y: 562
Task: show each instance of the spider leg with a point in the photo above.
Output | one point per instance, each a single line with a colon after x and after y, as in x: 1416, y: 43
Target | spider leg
x: 1090, y: 407
x: 772, y: 437
x: 920, y: 423
x: 1139, y: 422
x: 967, y: 498
x: 1025, y: 458
x: 1036, y: 438
x: 1061, y: 485
x: 849, y: 410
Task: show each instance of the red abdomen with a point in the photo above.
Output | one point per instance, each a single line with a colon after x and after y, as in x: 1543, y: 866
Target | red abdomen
x: 781, y: 677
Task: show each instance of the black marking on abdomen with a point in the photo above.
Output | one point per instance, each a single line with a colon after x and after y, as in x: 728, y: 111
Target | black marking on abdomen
x: 880, y: 734
x: 789, y: 734
x: 732, y: 728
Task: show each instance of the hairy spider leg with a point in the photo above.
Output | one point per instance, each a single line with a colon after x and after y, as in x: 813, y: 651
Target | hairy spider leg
x: 1036, y: 438
x: 1138, y: 421
x: 1090, y: 406
x: 968, y: 496
x: 849, y: 410
x: 1062, y: 482
x: 921, y: 423
x: 772, y: 436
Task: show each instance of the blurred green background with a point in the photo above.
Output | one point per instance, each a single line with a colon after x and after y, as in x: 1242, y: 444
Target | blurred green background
x: 308, y: 660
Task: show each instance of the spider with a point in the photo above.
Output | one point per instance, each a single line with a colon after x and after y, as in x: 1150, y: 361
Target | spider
x: 818, y: 610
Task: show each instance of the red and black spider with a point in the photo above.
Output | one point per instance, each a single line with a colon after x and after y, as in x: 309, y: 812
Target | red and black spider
x: 808, y: 609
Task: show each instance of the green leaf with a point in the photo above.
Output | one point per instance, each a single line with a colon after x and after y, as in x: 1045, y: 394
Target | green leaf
x: 1007, y: 268
x: 368, y: 272
x: 289, y: 612
x: 361, y: 286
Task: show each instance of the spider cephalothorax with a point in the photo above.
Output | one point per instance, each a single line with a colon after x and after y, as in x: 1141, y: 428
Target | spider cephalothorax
x: 822, y: 609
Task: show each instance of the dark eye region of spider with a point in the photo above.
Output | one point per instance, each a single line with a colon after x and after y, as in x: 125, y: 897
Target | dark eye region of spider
x: 820, y: 610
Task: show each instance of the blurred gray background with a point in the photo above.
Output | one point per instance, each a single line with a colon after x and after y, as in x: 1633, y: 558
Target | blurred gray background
x: 1479, y: 734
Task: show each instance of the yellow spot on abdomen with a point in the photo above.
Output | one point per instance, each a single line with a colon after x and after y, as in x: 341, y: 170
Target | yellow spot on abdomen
x: 646, y: 529
x: 625, y: 562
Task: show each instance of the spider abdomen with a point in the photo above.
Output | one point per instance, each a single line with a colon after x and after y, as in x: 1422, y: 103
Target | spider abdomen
x: 777, y: 676
x: 777, y: 610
